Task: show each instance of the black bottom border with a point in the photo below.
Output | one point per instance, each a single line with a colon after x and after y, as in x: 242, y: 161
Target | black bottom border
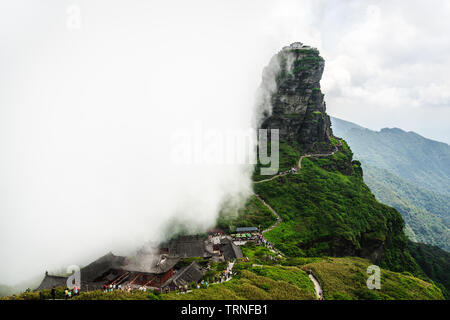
x: 231, y: 309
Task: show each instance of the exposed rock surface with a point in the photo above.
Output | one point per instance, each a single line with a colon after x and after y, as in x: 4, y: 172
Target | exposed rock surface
x: 291, y: 99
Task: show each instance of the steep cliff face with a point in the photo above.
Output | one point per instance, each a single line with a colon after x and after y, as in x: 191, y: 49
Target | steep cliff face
x: 326, y: 207
x: 293, y: 101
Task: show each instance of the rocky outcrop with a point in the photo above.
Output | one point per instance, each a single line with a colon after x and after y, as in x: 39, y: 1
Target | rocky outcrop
x: 291, y: 99
x: 292, y: 102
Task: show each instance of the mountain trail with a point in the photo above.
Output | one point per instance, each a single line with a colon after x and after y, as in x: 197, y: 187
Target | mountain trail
x: 317, y: 287
x: 299, y: 165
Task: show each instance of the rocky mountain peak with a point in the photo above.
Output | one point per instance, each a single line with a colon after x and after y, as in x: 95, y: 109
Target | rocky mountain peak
x: 291, y: 99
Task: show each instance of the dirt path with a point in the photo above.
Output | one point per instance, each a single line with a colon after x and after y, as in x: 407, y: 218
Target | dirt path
x: 230, y: 271
x: 274, y: 177
x: 299, y: 165
x: 273, y: 211
x: 336, y: 149
x: 279, y: 220
x: 317, y: 286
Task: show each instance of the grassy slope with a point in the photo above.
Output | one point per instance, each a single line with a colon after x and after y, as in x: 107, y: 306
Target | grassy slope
x: 345, y: 278
x: 422, y: 210
x: 268, y: 282
x: 319, y: 205
x: 435, y: 263
x: 288, y: 159
x: 254, y: 213
x: 408, y: 172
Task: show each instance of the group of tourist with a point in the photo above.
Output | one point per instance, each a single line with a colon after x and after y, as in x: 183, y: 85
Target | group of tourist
x: 68, y: 293
x: 111, y: 287
x: 225, y: 276
x: 263, y: 241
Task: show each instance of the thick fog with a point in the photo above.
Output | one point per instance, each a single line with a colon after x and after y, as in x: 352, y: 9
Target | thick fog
x: 90, y: 113
x: 93, y: 95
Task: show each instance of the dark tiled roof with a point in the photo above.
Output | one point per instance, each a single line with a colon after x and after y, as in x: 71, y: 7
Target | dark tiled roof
x: 190, y: 273
x: 100, y: 266
x: 188, y: 246
x: 154, y: 264
x: 230, y: 250
x: 52, y: 281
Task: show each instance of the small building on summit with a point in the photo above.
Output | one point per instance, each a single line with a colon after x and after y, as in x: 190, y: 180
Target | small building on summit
x: 297, y: 45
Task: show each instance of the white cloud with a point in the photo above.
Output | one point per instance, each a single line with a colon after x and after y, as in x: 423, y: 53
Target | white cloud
x: 387, y: 66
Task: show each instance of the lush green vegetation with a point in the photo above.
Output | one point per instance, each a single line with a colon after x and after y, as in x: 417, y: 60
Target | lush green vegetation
x: 254, y: 213
x: 330, y: 213
x: 288, y: 156
x: 306, y: 51
x: 422, y: 210
x: 35, y: 295
x: 435, y: 263
x: 259, y: 278
x: 305, y: 61
x: 418, y: 160
x: 259, y: 254
x: 345, y: 278
x: 267, y: 282
x: 118, y: 295
x: 409, y: 173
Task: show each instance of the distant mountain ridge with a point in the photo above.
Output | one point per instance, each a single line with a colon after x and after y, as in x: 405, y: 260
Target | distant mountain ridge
x: 421, y: 161
x: 408, y: 172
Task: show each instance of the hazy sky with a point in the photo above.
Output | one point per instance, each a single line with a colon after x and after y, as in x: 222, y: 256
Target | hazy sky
x: 91, y: 92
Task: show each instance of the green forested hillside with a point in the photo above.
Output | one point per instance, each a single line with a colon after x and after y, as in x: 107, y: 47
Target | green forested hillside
x: 254, y: 213
x: 408, y: 172
x: 421, y: 161
x: 435, y: 263
x: 425, y: 212
x: 328, y: 210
